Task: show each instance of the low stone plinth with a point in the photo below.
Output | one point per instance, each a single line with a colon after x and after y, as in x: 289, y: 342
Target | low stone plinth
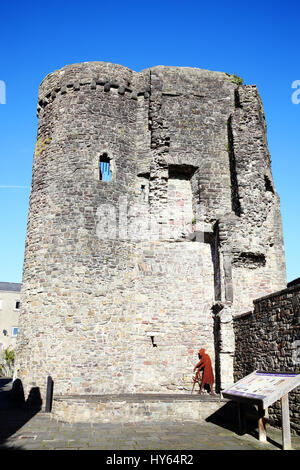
x: 130, y: 408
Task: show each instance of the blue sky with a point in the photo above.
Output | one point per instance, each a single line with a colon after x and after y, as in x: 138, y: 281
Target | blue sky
x: 257, y: 40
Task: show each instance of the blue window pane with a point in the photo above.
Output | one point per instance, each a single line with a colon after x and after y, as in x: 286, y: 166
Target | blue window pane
x: 105, y: 173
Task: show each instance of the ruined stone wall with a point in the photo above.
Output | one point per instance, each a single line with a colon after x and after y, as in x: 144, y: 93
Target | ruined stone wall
x: 268, y: 339
x: 76, y: 282
x: 257, y: 244
x: 124, y: 280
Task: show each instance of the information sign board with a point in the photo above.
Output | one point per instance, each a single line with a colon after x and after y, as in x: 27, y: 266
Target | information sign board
x: 263, y: 388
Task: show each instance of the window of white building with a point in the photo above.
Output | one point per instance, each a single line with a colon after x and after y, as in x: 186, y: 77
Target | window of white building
x: 14, y: 331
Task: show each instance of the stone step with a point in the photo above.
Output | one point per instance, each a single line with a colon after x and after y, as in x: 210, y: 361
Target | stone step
x: 138, y: 397
x: 128, y: 408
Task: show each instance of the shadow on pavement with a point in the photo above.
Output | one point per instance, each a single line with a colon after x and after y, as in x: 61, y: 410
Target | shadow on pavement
x: 227, y: 418
x: 14, y: 410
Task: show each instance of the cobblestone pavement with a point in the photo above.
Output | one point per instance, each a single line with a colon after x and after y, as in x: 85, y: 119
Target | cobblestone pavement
x: 22, y: 429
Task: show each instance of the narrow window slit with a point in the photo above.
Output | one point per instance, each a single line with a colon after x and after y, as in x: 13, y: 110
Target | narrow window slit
x: 104, y: 168
x: 268, y: 184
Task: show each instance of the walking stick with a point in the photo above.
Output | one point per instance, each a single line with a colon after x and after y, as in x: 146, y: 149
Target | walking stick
x: 195, y: 380
x: 193, y: 385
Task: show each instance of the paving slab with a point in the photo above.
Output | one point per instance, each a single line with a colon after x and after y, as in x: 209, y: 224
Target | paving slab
x: 42, y: 432
x: 22, y: 429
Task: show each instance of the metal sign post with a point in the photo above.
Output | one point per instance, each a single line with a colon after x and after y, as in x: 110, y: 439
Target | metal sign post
x: 49, y: 395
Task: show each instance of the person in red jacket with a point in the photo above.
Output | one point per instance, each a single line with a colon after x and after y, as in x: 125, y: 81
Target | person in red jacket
x: 204, y: 366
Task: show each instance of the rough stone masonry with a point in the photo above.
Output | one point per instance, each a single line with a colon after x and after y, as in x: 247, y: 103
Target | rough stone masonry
x: 153, y: 221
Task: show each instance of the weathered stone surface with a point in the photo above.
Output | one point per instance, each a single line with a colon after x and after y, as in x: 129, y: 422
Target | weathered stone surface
x: 135, y: 408
x: 186, y: 147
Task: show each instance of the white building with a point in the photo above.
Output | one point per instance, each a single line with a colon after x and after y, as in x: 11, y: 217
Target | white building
x: 9, y: 313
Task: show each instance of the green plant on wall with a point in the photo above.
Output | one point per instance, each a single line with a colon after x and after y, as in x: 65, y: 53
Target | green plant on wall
x: 41, y: 145
x: 235, y: 79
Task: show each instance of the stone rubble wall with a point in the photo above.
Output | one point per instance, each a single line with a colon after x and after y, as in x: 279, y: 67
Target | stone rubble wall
x: 105, y: 306
x: 268, y: 339
x: 72, y: 410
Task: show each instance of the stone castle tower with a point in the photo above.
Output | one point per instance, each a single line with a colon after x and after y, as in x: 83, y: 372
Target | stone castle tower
x: 153, y: 221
